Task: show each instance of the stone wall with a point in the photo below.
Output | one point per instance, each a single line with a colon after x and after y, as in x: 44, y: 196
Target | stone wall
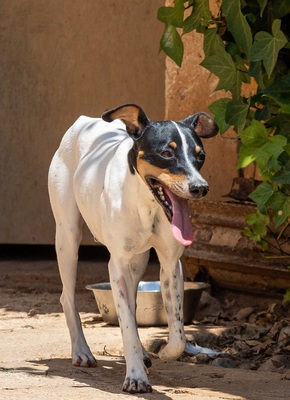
x: 189, y: 89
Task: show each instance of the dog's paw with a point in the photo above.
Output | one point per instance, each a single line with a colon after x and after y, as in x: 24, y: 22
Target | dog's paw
x: 84, y: 360
x: 169, y: 352
x: 136, y: 386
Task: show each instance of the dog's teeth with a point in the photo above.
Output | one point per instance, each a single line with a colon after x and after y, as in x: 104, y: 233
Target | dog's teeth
x: 166, y: 203
x: 162, y: 198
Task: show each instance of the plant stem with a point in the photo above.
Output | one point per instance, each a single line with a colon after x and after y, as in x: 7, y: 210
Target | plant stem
x: 283, y: 230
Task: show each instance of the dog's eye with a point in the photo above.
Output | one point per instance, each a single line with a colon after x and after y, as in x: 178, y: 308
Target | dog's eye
x: 167, y: 154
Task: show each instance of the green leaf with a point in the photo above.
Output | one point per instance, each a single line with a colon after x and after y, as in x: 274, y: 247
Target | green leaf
x: 242, y: 72
x: 172, y: 15
x: 246, y: 157
x: 255, y: 71
x: 218, y: 61
x: 258, y: 146
x: 281, y: 8
x: 199, y: 17
x: 212, y: 42
x: 287, y: 149
x: 262, y: 4
x: 222, y: 65
x: 262, y: 194
x: 258, y: 223
x: 281, y: 122
x: 172, y: 44
x: 279, y: 91
x: 280, y: 204
x: 256, y: 238
x: 282, y: 176
x: 276, y: 202
x: 237, y: 25
x: 236, y: 114
x: 263, y: 114
x: 253, y: 139
x: 274, y: 148
x: 255, y: 135
x: 283, y: 214
x: 266, y: 47
x: 218, y: 108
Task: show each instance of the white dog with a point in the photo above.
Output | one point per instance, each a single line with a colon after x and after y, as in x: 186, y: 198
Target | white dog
x: 129, y: 180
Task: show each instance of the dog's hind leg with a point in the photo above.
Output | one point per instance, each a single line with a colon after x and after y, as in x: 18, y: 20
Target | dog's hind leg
x: 67, y: 244
x: 68, y: 236
x: 125, y: 275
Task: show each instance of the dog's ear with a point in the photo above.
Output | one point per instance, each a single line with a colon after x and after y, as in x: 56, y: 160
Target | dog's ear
x: 203, y: 124
x: 133, y: 117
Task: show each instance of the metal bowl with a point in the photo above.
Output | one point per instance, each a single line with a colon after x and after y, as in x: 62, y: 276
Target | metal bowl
x: 150, y: 309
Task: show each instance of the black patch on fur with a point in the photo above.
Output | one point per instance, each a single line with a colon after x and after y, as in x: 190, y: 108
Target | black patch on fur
x: 147, y: 362
x: 132, y: 159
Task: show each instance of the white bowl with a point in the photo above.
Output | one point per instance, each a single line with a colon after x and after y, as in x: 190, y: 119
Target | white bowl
x: 150, y: 309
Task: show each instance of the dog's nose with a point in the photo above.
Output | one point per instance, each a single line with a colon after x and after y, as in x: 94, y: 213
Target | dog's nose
x: 198, y: 191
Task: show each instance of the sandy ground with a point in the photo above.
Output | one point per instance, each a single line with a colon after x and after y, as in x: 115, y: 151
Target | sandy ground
x: 35, y: 348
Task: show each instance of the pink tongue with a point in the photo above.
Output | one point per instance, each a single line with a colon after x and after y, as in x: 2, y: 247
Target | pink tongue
x: 181, y: 225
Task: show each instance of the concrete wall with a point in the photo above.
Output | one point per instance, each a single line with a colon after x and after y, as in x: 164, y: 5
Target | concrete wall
x: 60, y: 59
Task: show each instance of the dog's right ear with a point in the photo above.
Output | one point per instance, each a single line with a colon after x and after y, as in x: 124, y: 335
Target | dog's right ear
x: 203, y: 124
x: 133, y: 117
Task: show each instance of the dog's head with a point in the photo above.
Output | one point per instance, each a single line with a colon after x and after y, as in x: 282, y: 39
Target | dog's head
x: 168, y: 157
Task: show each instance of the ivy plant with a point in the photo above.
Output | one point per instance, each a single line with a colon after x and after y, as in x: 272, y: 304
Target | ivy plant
x: 247, y: 42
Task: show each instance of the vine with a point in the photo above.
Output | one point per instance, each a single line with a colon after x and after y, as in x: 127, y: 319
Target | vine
x: 247, y: 42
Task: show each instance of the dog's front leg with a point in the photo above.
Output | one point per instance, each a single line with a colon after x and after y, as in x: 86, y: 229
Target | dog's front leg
x: 124, y: 287
x: 171, y: 278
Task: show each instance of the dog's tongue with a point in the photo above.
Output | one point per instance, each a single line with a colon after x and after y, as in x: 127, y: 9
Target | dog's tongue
x: 180, y: 225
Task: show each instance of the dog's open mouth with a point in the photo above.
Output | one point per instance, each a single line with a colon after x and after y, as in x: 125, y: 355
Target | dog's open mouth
x: 161, y: 196
x: 175, y: 209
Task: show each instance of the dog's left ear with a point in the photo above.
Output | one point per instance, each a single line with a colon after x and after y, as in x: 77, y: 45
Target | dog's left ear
x: 203, y: 124
x: 133, y: 117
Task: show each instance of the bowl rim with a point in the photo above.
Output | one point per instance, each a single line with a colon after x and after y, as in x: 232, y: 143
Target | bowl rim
x: 188, y: 285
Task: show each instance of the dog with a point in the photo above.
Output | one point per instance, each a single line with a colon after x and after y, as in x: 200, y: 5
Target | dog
x: 129, y: 179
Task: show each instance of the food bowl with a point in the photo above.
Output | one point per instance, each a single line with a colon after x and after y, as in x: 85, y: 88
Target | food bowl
x: 150, y: 309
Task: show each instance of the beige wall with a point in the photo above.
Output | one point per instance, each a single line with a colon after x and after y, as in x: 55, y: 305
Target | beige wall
x: 60, y: 59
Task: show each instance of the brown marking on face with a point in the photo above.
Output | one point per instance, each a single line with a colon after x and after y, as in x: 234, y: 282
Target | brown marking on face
x: 197, y: 149
x: 177, y: 184
x: 173, y: 145
x: 140, y: 153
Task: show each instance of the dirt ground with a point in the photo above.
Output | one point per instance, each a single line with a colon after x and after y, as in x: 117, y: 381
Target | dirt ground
x: 35, y: 346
